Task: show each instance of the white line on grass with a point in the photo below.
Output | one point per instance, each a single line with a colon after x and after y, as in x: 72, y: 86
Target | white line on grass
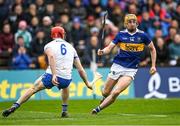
x: 123, y: 114
x: 39, y: 112
x: 49, y: 113
x: 149, y: 115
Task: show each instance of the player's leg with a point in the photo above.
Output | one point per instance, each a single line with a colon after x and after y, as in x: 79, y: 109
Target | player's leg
x: 64, y: 84
x: 35, y: 88
x: 108, y: 86
x: 65, y: 97
x: 121, y: 85
x: 111, y: 81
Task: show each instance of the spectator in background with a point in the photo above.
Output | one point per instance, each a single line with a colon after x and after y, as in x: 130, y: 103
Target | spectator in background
x: 95, y: 8
x: 161, y: 19
x: 82, y: 51
x: 34, y: 26
x: 16, y: 16
x: 40, y: 8
x: 155, y: 18
x: 158, y: 34
x: 17, y: 2
x: 31, y: 12
x: 94, y: 32
x: 4, y: 12
x: 46, y: 26
x: 62, y: 6
x: 22, y: 31
x: 169, y: 5
x: 170, y: 37
x: 6, y: 40
x: 174, y: 51
x: 146, y: 24
x: 175, y: 24
x: 90, y: 23
x: 132, y: 9
x: 77, y: 32
x: 93, y: 44
x: 65, y: 22
x: 176, y: 13
x: 134, y: 2
x: 6, y: 45
x: 21, y: 60
x: 20, y: 43
x: 50, y: 11
x: 67, y: 25
x: 37, y: 49
x: 162, y: 52
x: 78, y: 10
x: 117, y: 16
x: 110, y: 6
x: 149, y: 5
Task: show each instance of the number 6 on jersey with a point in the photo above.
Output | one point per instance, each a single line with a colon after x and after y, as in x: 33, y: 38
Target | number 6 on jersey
x: 63, y: 49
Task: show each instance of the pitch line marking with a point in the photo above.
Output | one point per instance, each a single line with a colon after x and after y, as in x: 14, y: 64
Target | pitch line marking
x: 150, y: 115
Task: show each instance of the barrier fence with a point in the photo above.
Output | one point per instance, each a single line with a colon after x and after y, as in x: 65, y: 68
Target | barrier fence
x: 164, y: 84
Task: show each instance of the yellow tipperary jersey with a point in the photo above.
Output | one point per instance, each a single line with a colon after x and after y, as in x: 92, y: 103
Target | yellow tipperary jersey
x: 131, y: 47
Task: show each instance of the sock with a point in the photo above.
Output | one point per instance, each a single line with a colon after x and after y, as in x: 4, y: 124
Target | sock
x: 64, y: 107
x: 98, y: 109
x: 16, y: 105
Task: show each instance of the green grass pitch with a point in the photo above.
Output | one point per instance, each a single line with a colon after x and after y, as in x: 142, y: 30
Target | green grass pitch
x: 122, y: 112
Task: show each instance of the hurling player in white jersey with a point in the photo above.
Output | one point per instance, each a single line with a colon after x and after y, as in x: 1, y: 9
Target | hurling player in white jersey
x: 61, y: 57
x: 131, y: 43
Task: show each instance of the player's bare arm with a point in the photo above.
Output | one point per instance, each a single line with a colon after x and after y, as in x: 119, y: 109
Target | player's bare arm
x: 153, y: 58
x: 82, y: 72
x: 52, y: 65
x: 106, y: 50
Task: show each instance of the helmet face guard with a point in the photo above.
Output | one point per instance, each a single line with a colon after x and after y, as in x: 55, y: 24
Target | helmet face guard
x: 57, y: 32
x: 129, y: 17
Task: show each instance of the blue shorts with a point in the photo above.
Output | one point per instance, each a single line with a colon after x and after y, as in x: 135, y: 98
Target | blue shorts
x: 47, y: 81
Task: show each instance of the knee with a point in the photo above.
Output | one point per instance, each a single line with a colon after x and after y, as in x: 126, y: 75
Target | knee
x: 115, y: 94
x: 34, y: 89
x: 105, y: 93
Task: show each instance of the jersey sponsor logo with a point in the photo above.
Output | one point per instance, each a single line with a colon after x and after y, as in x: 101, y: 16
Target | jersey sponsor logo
x: 131, y: 47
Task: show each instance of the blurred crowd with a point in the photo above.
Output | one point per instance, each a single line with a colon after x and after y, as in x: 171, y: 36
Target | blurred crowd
x: 25, y: 28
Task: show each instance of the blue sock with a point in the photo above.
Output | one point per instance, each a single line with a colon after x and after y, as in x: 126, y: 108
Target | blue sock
x: 98, y: 109
x: 16, y: 105
x: 64, y: 107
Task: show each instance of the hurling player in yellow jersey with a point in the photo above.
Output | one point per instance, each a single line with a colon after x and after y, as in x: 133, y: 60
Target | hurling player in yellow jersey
x: 131, y: 44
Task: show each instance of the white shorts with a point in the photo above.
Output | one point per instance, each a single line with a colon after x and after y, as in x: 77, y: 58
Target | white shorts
x: 117, y: 71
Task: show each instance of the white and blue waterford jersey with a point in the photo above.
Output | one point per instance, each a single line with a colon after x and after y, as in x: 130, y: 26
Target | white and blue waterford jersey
x: 64, y: 57
x: 131, y: 47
